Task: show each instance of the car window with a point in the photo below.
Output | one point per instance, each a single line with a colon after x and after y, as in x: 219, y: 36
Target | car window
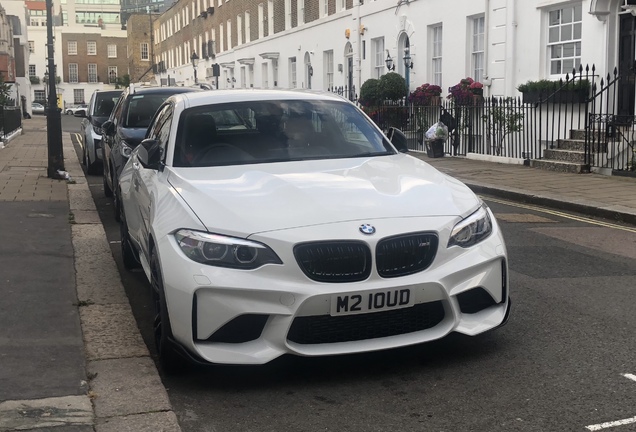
x: 105, y: 103
x: 274, y: 131
x: 141, y: 108
x: 119, y: 106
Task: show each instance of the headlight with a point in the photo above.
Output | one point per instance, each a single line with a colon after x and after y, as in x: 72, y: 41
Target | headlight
x: 222, y: 251
x: 471, y: 230
x: 125, y: 149
x: 97, y: 129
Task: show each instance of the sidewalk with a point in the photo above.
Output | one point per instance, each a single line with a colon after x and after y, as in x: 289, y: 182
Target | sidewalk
x: 71, y: 354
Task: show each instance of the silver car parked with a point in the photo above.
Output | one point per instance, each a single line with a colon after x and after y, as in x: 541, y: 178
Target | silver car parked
x: 99, y: 109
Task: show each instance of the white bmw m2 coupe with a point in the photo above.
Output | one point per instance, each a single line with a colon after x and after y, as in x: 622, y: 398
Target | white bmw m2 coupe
x: 286, y: 222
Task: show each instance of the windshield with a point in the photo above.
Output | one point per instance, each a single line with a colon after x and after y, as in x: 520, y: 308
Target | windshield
x: 274, y: 131
x: 141, y: 108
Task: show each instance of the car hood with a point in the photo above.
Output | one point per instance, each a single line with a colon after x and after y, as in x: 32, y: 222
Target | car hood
x: 248, y: 199
x: 133, y: 136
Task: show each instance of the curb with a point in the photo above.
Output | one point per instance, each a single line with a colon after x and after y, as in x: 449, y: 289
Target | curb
x: 124, y: 385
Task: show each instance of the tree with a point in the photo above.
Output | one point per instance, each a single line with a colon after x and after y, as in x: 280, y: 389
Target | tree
x: 503, y: 118
x: 370, y: 93
x: 392, y: 86
x: 122, y: 81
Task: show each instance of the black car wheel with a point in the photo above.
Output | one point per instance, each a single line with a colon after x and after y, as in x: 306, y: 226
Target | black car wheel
x: 128, y: 253
x: 116, y: 200
x: 92, y: 168
x: 171, y: 362
x: 108, y: 192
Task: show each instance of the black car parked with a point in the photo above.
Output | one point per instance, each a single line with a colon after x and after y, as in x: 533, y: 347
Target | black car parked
x: 127, y: 127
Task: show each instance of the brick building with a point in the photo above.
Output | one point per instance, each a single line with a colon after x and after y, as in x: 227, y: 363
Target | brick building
x: 140, y: 47
x: 90, y: 60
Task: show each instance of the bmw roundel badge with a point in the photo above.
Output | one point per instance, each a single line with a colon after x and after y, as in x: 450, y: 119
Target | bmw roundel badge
x: 367, y: 229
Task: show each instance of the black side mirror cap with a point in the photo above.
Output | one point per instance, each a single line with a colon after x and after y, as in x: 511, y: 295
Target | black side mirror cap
x: 108, y: 127
x: 398, y: 139
x: 149, y: 154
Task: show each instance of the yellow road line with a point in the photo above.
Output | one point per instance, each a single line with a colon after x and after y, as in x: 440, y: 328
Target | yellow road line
x: 561, y: 214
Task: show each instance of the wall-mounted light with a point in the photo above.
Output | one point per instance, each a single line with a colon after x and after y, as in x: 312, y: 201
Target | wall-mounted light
x: 407, y: 58
x: 389, y: 61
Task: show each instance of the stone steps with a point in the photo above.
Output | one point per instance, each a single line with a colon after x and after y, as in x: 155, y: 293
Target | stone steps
x: 558, y: 166
x: 564, y: 155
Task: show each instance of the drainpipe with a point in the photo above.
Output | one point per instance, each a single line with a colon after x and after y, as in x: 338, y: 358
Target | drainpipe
x: 487, y: 81
x: 511, y: 42
x: 359, y: 50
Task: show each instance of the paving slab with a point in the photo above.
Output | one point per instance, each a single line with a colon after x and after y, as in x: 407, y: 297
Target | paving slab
x: 122, y: 387
x: 151, y: 422
x: 68, y: 413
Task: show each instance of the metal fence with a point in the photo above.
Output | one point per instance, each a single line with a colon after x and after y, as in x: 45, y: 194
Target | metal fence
x: 10, y: 119
x: 583, y: 107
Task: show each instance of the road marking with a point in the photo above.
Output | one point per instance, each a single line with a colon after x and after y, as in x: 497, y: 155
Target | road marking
x: 607, y: 425
x: 79, y: 139
x: 561, y: 214
x: 630, y: 376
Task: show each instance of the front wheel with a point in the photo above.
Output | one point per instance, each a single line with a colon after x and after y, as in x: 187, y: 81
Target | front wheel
x: 128, y: 254
x: 171, y: 362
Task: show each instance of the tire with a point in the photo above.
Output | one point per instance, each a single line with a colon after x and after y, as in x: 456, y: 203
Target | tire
x: 108, y: 192
x: 128, y: 254
x: 92, y: 168
x: 116, y: 201
x: 69, y: 112
x: 171, y: 362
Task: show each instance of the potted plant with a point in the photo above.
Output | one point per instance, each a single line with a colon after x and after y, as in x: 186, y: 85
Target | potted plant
x: 426, y: 94
x: 464, y: 91
x: 569, y: 91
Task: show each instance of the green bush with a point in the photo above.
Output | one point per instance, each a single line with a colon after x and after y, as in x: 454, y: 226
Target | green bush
x: 547, y: 85
x: 34, y: 79
x: 370, y: 93
x: 392, y: 86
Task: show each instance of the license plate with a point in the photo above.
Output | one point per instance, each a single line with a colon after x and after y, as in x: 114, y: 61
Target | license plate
x: 374, y: 301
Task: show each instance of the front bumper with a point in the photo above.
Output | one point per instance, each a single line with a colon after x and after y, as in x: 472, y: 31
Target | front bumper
x: 252, y: 317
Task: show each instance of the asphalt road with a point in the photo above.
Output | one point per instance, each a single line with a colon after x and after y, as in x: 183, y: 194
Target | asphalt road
x: 564, y: 362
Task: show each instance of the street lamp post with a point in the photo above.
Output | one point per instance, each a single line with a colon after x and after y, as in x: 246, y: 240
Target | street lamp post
x: 195, y: 62
x: 46, y: 83
x: 53, y: 117
x: 389, y: 61
x: 408, y: 65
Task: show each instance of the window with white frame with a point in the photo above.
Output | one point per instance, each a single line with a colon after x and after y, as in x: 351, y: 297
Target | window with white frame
x: 275, y: 72
x: 342, y: 5
x: 239, y: 30
x: 112, y: 73
x: 32, y: 70
x: 564, y: 39
x: 248, y: 28
x: 71, y: 47
x: 92, y: 72
x: 477, y: 55
x: 292, y: 72
x: 262, y: 24
x: 288, y: 14
x: 300, y: 13
x: 270, y: 17
x: 39, y: 95
x: 72, y: 73
x: 91, y: 48
x: 78, y: 96
x: 144, y: 51
x: 31, y: 47
x: 112, y: 51
x: 436, y: 54
x: 324, y: 8
x: 229, y: 34
x: 328, y: 62
x: 221, y: 38
x: 377, y: 45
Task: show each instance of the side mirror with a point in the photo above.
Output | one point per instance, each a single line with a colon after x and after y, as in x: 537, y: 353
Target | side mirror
x: 149, y: 154
x: 108, y: 127
x: 398, y: 139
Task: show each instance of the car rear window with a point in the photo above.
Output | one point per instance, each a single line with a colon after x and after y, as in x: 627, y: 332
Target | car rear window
x: 141, y: 108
